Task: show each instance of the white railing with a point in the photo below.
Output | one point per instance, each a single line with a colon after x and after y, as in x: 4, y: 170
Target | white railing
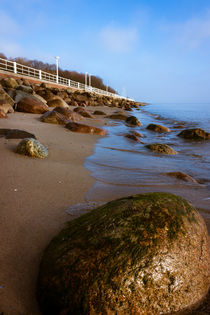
x: 17, y: 68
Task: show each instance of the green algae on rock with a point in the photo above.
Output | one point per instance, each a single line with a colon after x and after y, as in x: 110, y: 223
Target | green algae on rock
x: 145, y: 254
x: 32, y: 147
x: 161, y: 148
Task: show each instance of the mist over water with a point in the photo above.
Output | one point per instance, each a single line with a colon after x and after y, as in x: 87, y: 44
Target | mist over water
x: 122, y: 166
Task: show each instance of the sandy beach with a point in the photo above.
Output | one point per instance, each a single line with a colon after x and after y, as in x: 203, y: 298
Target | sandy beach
x: 34, y: 196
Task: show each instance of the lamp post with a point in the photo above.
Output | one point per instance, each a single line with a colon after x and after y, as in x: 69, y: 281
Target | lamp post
x: 86, y: 79
x: 90, y: 79
x: 57, y: 58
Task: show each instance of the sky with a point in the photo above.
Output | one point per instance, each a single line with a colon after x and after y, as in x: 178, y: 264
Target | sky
x: 150, y: 50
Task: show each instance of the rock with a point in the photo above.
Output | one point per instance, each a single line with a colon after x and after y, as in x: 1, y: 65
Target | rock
x: 31, y: 105
x: 161, y: 148
x: 194, y: 134
x: 132, y: 120
x: 144, y: 254
x: 16, y: 134
x: 5, y: 97
x: 99, y: 112
x: 137, y: 134
x: 57, y: 101
x: 133, y: 137
x: 45, y: 93
x: 24, y: 88
x: 77, y: 127
x: 158, y: 128
x: 2, y: 114
x: 117, y: 116
x: 53, y: 117
x: 82, y: 112
x: 9, y: 83
x: 6, y: 107
x: 68, y: 113
x: 181, y: 176
x: 32, y: 148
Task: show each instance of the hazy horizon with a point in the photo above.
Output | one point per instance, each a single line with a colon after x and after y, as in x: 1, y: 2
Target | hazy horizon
x: 147, y: 50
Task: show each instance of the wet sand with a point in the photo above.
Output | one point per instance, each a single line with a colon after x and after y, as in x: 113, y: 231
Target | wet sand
x: 34, y: 196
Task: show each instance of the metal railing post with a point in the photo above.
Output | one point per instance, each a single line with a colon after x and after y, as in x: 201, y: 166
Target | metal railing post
x: 15, y: 67
x: 40, y: 74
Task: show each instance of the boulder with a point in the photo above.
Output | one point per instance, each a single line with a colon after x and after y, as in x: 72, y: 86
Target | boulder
x: 144, y: 254
x: 158, y: 128
x: 53, y: 117
x: 5, y: 97
x: 6, y: 107
x: 9, y: 83
x: 161, y: 148
x: 132, y: 120
x: 45, y: 93
x: 16, y: 134
x: 32, y: 148
x: 82, y: 112
x: 31, y: 105
x: 57, y: 101
x: 137, y: 134
x: 117, y: 116
x: 99, y: 112
x: 68, y: 113
x: 3, y: 115
x: 181, y: 176
x: 25, y: 88
x: 195, y: 134
x: 133, y: 137
x: 77, y: 127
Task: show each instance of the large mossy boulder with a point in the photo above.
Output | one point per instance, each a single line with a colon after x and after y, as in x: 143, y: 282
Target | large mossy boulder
x: 194, y: 134
x: 144, y: 254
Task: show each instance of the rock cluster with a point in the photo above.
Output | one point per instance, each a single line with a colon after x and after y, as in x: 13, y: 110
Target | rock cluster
x: 144, y: 254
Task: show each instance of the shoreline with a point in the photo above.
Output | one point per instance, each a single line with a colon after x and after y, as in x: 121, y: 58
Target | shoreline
x: 36, y: 194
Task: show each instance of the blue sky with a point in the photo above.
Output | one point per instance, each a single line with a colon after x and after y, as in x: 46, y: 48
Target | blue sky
x: 150, y: 50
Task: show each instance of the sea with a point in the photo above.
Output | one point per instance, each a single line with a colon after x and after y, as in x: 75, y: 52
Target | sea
x: 123, y: 167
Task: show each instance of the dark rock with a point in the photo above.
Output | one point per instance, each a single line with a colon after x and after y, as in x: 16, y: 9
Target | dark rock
x: 181, y: 176
x: 132, y: 120
x: 161, y: 148
x: 144, y: 254
x: 99, y: 112
x: 32, y: 148
x: 82, y: 112
x: 76, y: 127
x: 133, y: 137
x: 158, y: 128
x: 194, y: 134
x: 31, y: 105
x: 47, y: 94
x: 16, y: 134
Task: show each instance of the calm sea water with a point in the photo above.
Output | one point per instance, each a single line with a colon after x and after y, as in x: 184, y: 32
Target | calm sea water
x: 122, y: 166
